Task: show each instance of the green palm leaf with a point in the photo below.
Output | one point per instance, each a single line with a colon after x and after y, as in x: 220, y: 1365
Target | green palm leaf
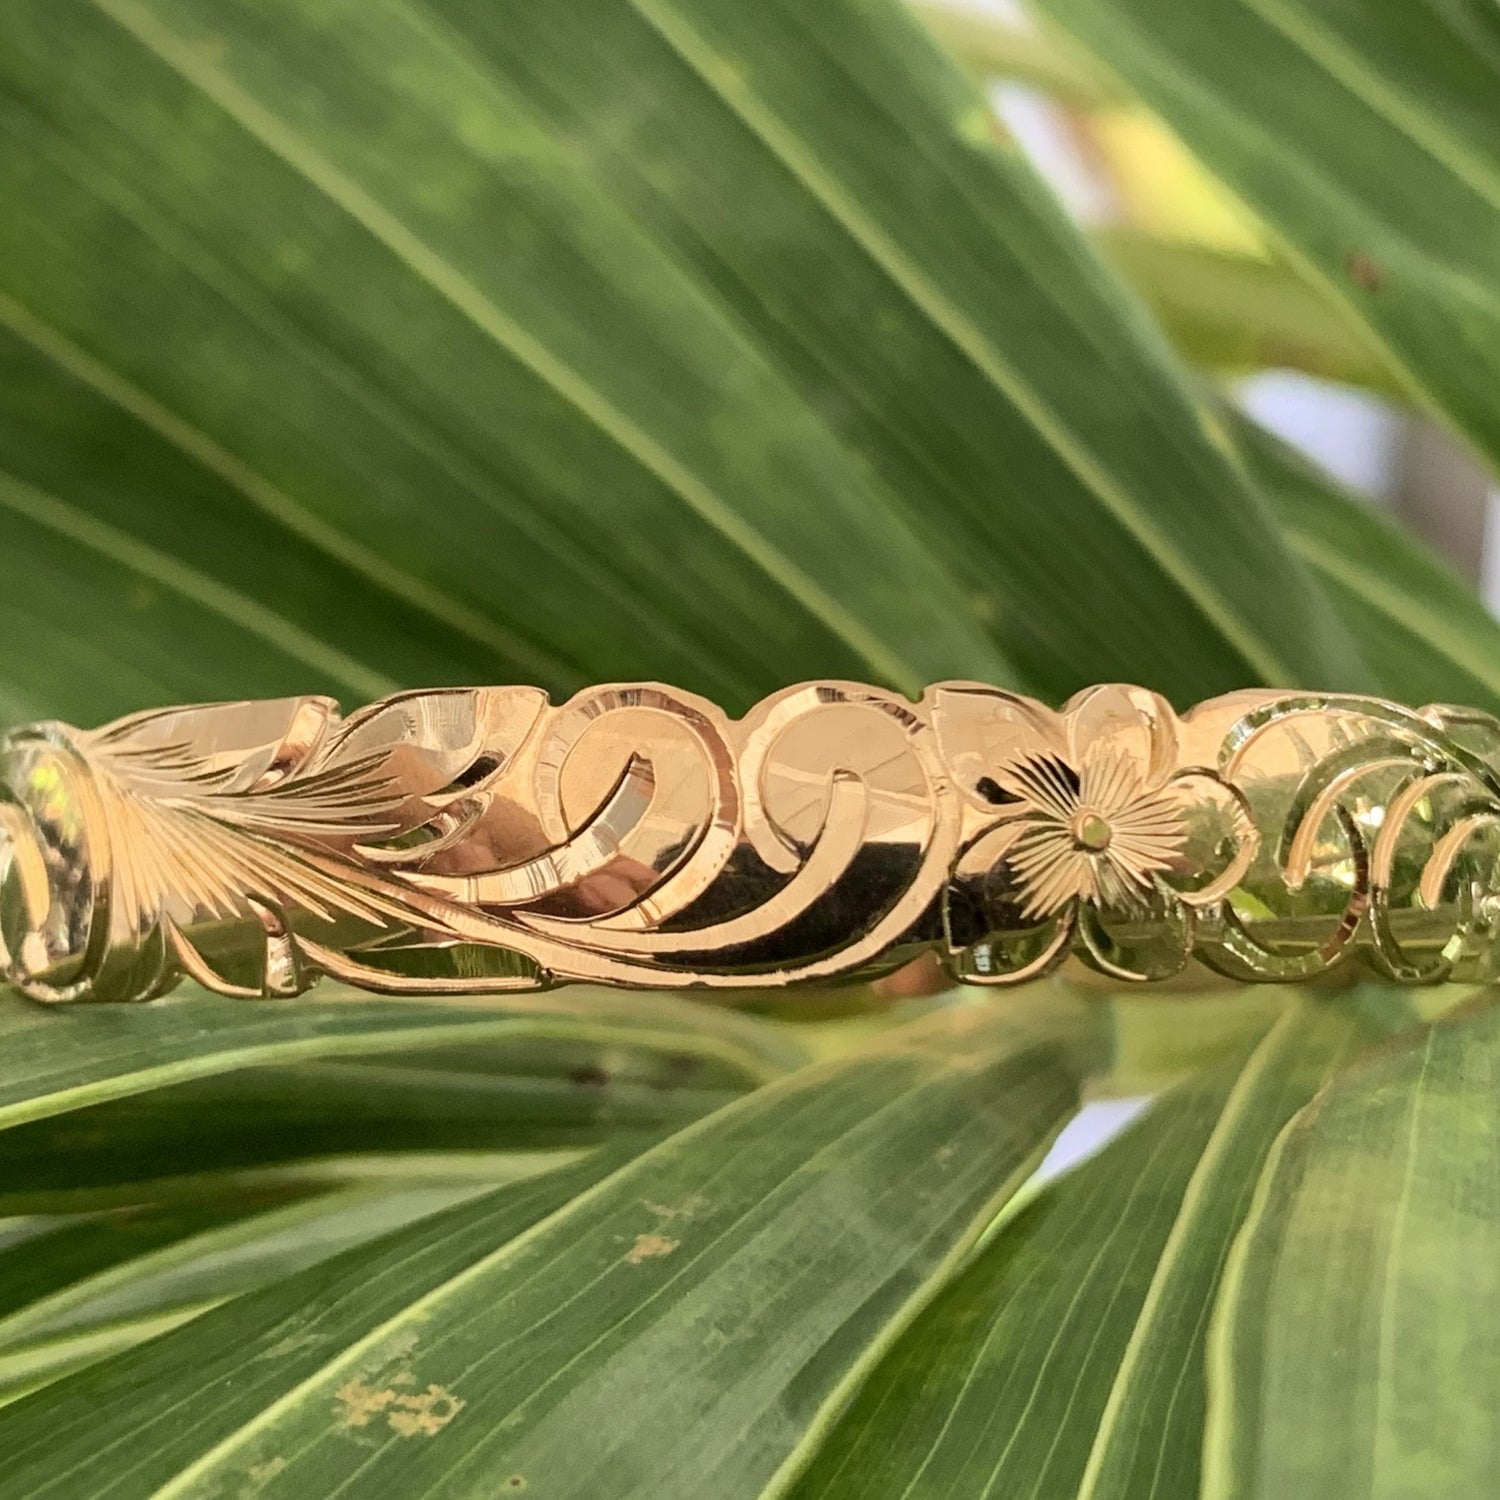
x: 1364, y: 1288
x: 763, y: 1257
x: 443, y: 314
x: 1364, y: 133
x: 1067, y: 1358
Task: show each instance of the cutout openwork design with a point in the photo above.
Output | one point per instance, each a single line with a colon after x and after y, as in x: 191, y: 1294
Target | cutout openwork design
x: 485, y: 839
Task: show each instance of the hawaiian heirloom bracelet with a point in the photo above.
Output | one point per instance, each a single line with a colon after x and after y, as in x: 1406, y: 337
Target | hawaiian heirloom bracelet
x: 483, y: 839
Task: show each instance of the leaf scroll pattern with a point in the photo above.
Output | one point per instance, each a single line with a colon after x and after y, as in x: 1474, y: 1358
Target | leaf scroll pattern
x: 485, y: 839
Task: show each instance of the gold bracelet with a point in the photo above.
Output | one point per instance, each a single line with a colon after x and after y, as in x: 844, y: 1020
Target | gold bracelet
x: 469, y: 840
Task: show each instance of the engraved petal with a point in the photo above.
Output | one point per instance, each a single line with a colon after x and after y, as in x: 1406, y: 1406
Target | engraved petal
x: 1220, y: 840
x: 1013, y: 955
x: 1110, y: 779
x: 992, y: 936
x: 1013, y: 958
x: 981, y: 729
x: 1046, y: 871
x: 1135, y: 723
x: 1045, y: 783
x: 1154, y: 948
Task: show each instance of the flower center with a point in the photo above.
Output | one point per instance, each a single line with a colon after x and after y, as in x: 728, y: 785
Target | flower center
x: 1090, y: 831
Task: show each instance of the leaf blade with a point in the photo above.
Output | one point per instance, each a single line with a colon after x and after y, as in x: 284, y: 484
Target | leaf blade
x: 807, y: 383
x: 1002, y: 1083
x: 1362, y: 133
x: 1427, y: 634
x: 1066, y: 1358
x: 1361, y: 1279
x: 54, y: 1061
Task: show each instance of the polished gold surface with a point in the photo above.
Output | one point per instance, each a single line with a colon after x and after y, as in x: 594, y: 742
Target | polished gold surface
x: 484, y: 839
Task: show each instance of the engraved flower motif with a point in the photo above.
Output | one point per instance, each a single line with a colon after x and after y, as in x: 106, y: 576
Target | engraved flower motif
x: 1097, y: 826
x: 1095, y: 832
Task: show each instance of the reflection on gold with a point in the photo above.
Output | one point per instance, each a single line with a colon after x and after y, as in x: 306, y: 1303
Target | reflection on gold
x: 484, y: 839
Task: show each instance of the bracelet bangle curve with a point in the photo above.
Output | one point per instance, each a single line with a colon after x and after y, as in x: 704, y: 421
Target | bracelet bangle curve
x: 479, y: 840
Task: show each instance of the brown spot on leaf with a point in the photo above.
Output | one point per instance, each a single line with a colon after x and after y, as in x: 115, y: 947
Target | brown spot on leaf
x: 1364, y: 270
x: 407, y: 1413
x: 424, y: 1413
x: 649, y: 1247
x: 361, y: 1403
x: 689, y: 1208
x: 591, y: 1077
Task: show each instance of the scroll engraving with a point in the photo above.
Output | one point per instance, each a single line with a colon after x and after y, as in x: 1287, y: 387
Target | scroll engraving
x: 484, y: 839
